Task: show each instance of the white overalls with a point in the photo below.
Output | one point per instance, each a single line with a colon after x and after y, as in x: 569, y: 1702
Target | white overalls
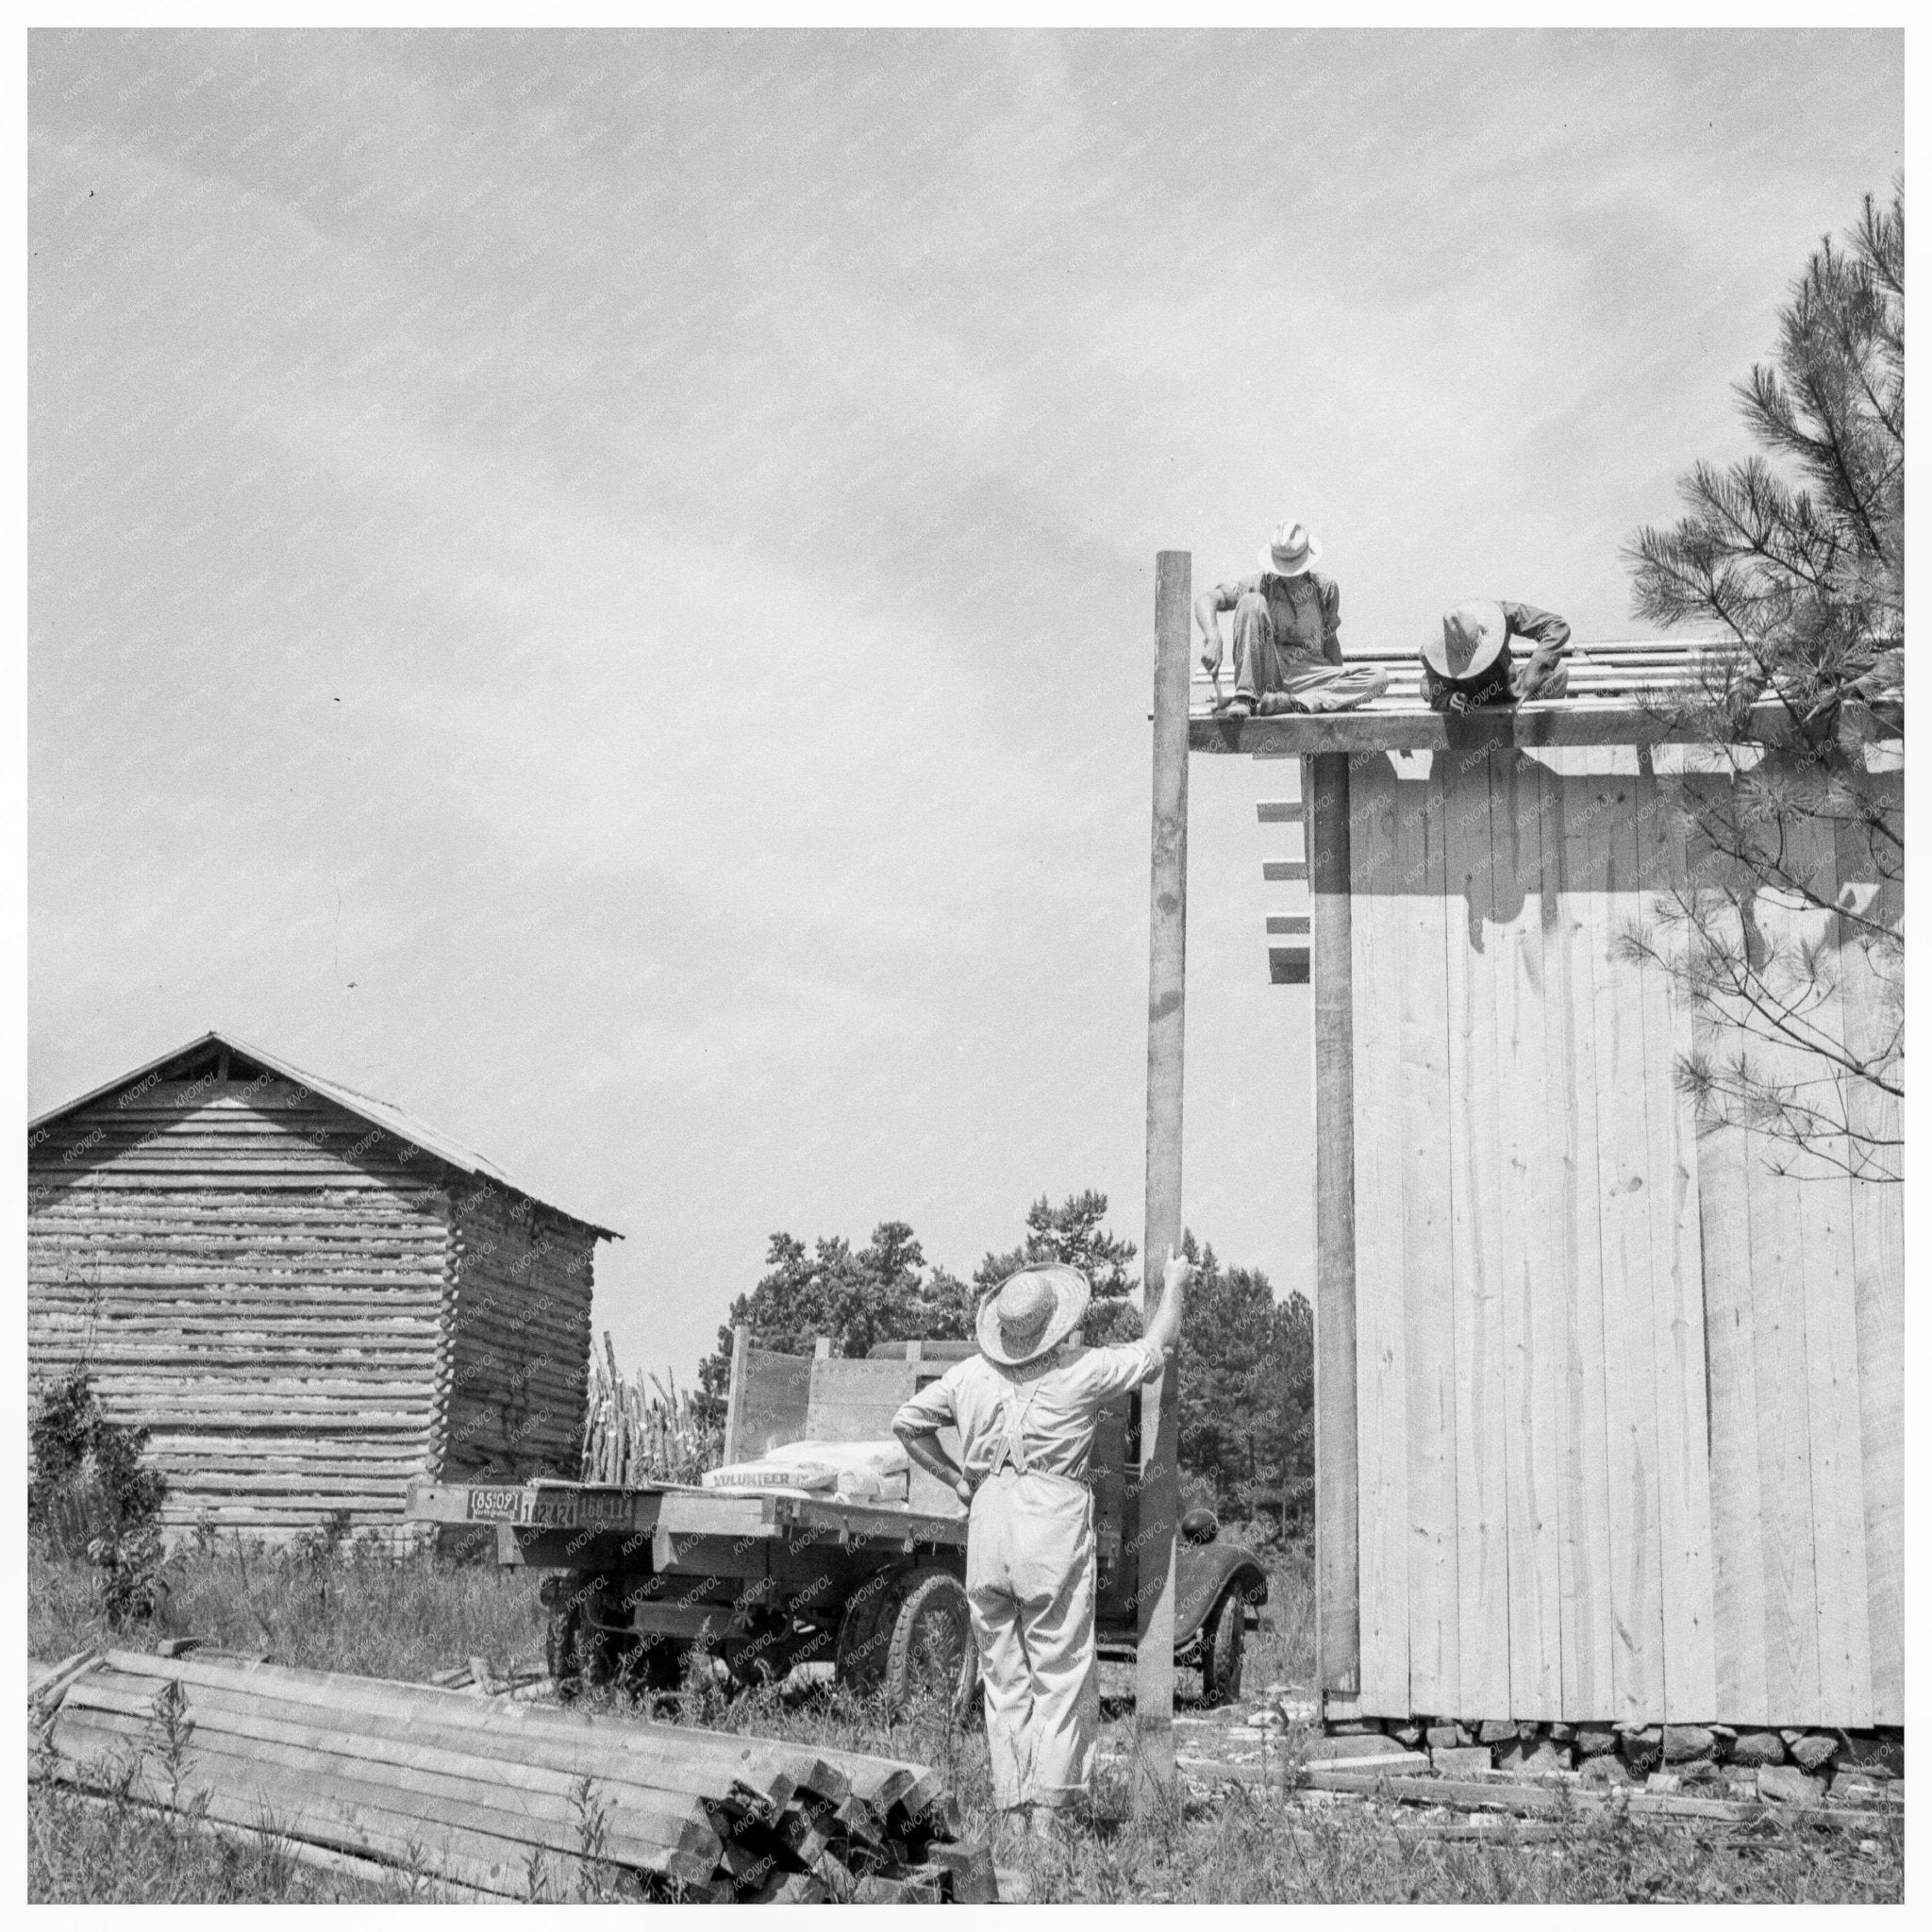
x: 1026, y: 1436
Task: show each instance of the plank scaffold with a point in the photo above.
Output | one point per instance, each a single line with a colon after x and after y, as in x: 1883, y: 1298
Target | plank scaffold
x: 488, y: 1794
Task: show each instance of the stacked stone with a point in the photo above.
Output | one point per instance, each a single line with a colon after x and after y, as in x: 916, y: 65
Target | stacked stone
x: 1791, y: 1767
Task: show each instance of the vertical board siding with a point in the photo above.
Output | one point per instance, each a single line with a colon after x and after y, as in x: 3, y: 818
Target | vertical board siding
x: 1821, y: 1631
x: 1429, y: 1326
x: 1571, y: 1045
x: 1532, y: 1458
x: 1783, y: 1426
x: 1690, y: 1681
x: 249, y: 1274
x: 1381, y: 1404
x: 1482, y: 1515
x: 1624, y: 1194
x: 1831, y: 1347
x: 1632, y: 1394
x: 1872, y: 1016
x: 1739, y: 1571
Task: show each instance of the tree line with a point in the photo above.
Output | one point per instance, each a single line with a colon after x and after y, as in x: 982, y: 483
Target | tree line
x: 1246, y: 1361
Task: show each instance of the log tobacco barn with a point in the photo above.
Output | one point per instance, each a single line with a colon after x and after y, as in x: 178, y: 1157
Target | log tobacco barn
x: 309, y: 1298
x: 1608, y: 1415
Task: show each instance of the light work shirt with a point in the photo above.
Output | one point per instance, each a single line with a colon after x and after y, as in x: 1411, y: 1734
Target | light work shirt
x: 1303, y: 612
x: 1059, y: 1405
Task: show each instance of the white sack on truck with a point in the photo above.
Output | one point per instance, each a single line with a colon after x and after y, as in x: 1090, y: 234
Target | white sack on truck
x: 848, y: 1471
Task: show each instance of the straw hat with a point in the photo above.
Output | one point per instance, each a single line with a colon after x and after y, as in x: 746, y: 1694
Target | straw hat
x: 1032, y: 1313
x: 1474, y: 634
x: 1292, y: 549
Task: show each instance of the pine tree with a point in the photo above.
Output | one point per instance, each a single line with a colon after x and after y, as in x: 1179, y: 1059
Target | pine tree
x: 1246, y: 1375
x: 1073, y: 1233
x: 1796, y: 558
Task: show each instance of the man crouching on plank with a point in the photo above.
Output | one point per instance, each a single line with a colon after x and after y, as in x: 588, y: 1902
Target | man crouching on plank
x: 1026, y: 1407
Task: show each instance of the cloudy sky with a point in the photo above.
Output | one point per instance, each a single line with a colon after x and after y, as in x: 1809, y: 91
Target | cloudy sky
x: 600, y: 588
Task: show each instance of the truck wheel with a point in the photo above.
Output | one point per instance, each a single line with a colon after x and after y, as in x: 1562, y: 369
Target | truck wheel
x: 1221, y: 1650
x: 864, y: 1632
x: 657, y: 1665
x: 931, y: 1653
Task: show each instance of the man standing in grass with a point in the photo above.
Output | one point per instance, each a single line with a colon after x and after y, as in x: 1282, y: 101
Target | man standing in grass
x: 1286, y: 640
x: 1025, y: 1409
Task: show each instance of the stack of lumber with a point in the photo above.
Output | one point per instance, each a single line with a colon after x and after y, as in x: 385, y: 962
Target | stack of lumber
x: 1676, y: 668
x: 499, y: 1797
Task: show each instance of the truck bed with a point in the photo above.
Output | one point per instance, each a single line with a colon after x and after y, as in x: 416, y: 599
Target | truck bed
x: 670, y: 1512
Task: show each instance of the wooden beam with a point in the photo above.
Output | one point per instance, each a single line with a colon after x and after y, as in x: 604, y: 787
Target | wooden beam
x: 1338, y: 1597
x: 1557, y: 721
x: 1154, y: 1759
x: 1288, y: 965
x: 734, y: 1401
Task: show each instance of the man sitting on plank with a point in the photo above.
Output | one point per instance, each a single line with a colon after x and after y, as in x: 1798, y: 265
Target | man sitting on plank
x: 1286, y: 647
x: 1025, y: 1409
x: 1473, y: 665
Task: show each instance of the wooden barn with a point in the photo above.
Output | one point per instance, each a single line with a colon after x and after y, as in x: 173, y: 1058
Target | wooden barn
x: 1609, y: 1412
x: 309, y: 1298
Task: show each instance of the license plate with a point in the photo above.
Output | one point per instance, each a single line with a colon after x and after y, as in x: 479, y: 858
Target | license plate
x: 496, y: 1506
x: 604, y: 1511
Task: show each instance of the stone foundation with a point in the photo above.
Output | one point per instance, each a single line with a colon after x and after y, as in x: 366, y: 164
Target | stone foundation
x: 1791, y: 1767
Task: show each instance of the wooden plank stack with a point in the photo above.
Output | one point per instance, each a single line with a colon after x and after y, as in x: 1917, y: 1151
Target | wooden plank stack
x: 1673, y: 667
x: 507, y: 1799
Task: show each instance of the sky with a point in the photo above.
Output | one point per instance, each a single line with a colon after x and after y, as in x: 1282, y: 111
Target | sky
x: 600, y: 586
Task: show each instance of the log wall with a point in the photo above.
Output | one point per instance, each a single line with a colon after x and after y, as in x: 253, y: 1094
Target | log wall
x: 295, y: 1302
x: 519, y: 1377
x: 1626, y: 1402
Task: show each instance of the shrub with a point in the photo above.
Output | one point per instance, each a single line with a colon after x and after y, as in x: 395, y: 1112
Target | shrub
x: 89, y: 1493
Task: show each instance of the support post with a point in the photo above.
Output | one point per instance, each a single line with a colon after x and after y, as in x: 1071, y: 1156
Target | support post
x: 1338, y: 1569
x: 1160, y: 1484
x: 734, y: 1401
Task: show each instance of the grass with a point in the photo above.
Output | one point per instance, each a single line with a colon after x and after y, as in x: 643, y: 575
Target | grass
x: 343, y: 1610
x: 410, y: 1619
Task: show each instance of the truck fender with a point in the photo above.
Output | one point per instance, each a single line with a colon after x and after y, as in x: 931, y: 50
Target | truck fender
x: 1203, y: 1574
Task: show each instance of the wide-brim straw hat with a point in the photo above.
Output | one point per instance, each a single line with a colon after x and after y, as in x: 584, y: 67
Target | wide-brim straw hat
x: 1473, y: 638
x: 1031, y: 1313
x: 1290, y: 551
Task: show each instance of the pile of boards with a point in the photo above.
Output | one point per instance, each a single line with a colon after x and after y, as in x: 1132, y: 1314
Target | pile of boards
x: 498, y: 1797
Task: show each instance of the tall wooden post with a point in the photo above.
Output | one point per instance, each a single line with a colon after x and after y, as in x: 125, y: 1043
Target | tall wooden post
x: 1337, y: 1581
x: 1167, y: 954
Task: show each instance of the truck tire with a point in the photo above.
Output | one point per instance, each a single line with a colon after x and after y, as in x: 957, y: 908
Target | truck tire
x: 657, y: 1665
x: 864, y: 1633
x: 1220, y: 1649
x: 931, y: 1653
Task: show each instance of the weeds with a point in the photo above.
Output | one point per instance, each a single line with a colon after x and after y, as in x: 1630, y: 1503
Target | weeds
x: 333, y: 1605
x: 90, y: 1494
x: 358, y: 1609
